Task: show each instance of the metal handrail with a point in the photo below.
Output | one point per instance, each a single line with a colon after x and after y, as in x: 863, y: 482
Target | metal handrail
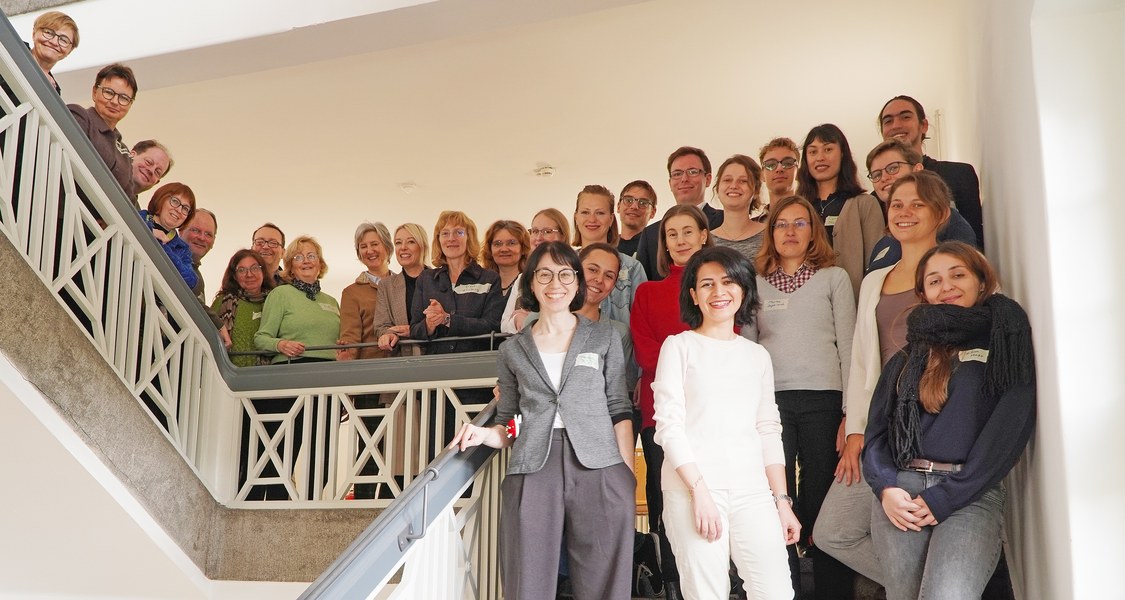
x: 494, y: 339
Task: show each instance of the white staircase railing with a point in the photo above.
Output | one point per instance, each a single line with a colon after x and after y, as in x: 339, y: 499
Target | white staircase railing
x: 312, y: 432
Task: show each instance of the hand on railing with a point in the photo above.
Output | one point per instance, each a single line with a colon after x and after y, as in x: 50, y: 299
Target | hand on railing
x: 493, y: 337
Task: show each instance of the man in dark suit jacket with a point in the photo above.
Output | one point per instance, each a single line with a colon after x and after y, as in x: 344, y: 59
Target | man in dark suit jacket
x: 689, y: 176
x: 904, y: 118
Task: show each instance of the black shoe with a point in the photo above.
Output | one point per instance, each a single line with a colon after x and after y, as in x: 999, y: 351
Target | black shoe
x: 672, y: 591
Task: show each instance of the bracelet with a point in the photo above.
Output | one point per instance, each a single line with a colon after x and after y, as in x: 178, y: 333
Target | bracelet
x: 691, y: 490
x: 786, y: 497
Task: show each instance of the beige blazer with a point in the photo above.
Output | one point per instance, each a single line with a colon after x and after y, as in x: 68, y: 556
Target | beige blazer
x: 857, y: 229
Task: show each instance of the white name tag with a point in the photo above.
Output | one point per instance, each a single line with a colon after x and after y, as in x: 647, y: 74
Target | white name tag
x: 329, y: 308
x: 472, y: 288
x: 255, y: 316
x: 587, y: 359
x: 830, y: 221
x: 882, y: 253
x: 977, y: 354
x: 776, y: 304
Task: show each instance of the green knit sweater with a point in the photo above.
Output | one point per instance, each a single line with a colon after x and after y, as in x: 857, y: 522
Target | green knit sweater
x: 247, y: 316
x: 289, y: 315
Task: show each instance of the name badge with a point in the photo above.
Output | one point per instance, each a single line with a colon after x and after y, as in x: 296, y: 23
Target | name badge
x: 776, y: 304
x: 255, y: 316
x: 882, y: 253
x: 830, y: 221
x: 472, y: 288
x: 977, y: 354
x: 587, y: 359
x: 328, y: 308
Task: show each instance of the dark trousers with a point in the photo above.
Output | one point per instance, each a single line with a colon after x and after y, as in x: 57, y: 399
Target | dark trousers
x: 592, y: 508
x: 654, y: 460
x: 810, y: 420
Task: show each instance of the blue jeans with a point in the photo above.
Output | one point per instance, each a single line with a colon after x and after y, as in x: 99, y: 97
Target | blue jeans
x: 948, y: 561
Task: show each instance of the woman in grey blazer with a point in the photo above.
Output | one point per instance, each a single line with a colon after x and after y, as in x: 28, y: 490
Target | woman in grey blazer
x: 572, y: 458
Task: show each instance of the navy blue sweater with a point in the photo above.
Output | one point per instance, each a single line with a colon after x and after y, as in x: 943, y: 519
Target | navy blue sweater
x: 985, y: 434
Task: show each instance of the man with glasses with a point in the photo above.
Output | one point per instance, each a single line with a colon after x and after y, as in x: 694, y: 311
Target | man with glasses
x: 689, y: 176
x: 269, y: 241
x: 114, y: 90
x: 636, y: 208
x: 779, y: 159
x: 199, y: 233
x: 886, y: 163
x: 151, y: 162
x: 904, y: 119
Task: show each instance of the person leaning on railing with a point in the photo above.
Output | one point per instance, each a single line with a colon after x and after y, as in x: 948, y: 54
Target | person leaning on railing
x: 297, y: 314
x: 54, y: 37
x: 396, y: 294
x: 357, y: 302
x: 172, y: 205
x: 240, y: 301
x: 459, y: 297
x: 113, y: 93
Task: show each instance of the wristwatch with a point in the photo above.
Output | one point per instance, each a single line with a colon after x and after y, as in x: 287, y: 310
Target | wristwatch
x: 447, y: 319
x: 786, y: 497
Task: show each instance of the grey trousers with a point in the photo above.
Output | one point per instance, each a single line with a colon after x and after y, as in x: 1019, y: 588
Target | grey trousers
x: 593, y: 508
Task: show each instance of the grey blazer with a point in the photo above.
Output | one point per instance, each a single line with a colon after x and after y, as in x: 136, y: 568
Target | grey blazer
x: 591, y: 400
x: 390, y: 310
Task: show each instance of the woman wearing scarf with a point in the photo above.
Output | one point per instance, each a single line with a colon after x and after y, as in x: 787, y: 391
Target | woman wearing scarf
x: 357, y: 302
x: 298, y: 314
x: 239, y: 302
x: 950, y: 417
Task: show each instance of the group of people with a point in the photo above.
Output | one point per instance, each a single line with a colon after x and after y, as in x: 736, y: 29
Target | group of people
x: 850, y: 349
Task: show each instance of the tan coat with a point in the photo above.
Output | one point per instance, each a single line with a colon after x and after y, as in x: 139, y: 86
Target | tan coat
x: 391, y: 310
x: 357, y: 316
x: 857, y: 229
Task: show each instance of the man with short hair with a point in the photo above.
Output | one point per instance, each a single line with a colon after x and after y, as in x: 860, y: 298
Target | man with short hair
x: 636, y: 208
x: 689, y: 176
x: 779, y: 158
x: 903, y: 118
x: 886, y: 163
x: 269, y: 241
x: 199, y: 233
x: 151, y: 162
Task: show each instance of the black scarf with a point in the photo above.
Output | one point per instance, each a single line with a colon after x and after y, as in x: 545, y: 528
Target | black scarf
x: 310, y: 289
x: 1011, y: 359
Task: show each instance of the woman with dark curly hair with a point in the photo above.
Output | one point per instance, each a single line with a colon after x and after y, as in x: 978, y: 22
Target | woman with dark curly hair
x: 240, y: 300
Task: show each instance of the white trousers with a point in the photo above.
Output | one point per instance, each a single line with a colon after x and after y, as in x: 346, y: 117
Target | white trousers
x: 751, y: 537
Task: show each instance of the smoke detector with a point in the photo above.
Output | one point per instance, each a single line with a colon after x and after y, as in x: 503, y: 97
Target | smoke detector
x: 544, y: 170
x: 408, y: 187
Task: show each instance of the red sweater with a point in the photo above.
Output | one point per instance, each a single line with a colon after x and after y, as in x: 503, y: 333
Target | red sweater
x: 654, y: 317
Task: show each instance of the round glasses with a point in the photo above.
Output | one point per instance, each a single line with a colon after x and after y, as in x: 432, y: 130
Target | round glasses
x: 248, y: 270
x: 565, y: 276
x: 110, y: 94
x: 773, y: 164
x: 63, y: 41
x: 890, y: 169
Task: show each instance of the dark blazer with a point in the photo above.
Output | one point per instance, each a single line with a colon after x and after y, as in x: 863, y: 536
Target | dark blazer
x: 963, y: 182
x: 647, y: 249
x: 591, y: 398
x: 474, y: 304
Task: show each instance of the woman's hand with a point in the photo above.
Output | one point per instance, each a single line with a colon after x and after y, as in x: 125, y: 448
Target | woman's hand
x: 224, y: 336
x: 400, y: 330
x: 346, y: 353
x: 841, y: 436
x: 519, y: 316
x: 387, y: 341
x: 161, y: 237
x: 707, y: 520
x: 900, y: 509
x: 470, y: 435
x: 925, y: 517
x: 291, y: 348
x: 790, y: 525
x: 435, y: 315
x: 847, y: 470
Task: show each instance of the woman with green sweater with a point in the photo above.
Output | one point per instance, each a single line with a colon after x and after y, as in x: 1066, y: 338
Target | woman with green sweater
x: 240, y: 300
x: 297, y: 314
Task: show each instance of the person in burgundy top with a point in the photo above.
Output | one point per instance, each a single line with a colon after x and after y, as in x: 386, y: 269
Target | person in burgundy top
x: 655, y: 316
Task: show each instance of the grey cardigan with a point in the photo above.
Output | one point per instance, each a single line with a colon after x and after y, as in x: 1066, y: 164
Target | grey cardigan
x: 592, y: 397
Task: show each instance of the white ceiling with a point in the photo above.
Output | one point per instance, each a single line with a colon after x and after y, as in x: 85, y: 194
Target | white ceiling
x: 315, y: 129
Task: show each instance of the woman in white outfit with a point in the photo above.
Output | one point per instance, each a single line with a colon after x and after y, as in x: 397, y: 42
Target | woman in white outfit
x: 724, y: 469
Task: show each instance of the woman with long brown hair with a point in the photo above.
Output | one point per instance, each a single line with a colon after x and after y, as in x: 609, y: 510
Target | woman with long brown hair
x: 951, y: 415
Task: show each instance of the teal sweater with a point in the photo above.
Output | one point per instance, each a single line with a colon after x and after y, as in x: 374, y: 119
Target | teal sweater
x: 289, y: 315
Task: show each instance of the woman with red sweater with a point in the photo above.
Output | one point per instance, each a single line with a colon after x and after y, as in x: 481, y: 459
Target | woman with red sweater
x: 655, y: 317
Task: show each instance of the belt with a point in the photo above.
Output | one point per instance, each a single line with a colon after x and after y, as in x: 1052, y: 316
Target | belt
x: 929, y: 466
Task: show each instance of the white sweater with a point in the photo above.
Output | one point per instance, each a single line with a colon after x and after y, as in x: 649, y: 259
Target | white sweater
x: 867, y: 365
x: 715, y: 407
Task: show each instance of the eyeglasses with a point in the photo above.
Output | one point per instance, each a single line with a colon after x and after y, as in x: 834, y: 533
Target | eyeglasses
x: 109, y: 94
x: 773, y: 164
x: 450, y: 233
x: 641, y: 202
x: 544, y: 231
x: 565, y: 276
x: 502, y: 243
x: 680, y: 173
x: 204, y: 234
x: 178, y: 204
x: 51, y: 34
x: 799, y: 225
x: 311, y: 256
x: 262, y: 243
x: 890, y: 169
x: 248, y: 270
